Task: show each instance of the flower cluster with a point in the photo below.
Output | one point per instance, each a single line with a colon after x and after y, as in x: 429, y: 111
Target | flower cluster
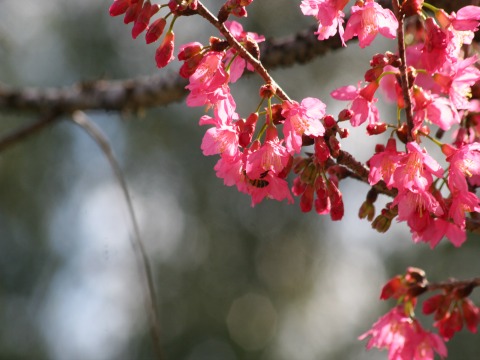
x: 403, y: 335
x: 433, y: 81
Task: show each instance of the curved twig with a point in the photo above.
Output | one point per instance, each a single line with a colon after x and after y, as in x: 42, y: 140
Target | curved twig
x: 143, y: 262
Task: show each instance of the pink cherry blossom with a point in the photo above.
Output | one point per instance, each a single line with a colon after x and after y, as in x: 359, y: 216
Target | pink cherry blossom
x: 404, y: 337
x: 466, y: 18
x: 464, y: 164
x: 436, y: 229
x: 329, y: 14
x: 458, y: 80
x: 368, y: 20
x: 230, y: 170
x: 463, y: 201
x: 223, y: 140
x: 439, y: 47
x: 302, y: 119
x: 363, y: 103
x: 239, y: 64
x: 415, y: 169
x: 208, y: 84
x: 437, y: 110
x: 415, y: 208
x: 272, y: 156
x: 276, y: 189
x: 384, y: 164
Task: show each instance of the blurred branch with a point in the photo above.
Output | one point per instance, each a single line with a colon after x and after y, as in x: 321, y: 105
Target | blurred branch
x: 82, y: 120
x: 156, y: 90
x: 160, y: 90
x: 23, y: 132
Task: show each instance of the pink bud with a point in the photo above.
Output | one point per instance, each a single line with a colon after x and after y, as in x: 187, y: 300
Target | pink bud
x: 190, y: 66
x: 432, y: 304
x: 375, y: 129
x: 132, y: 12
x: 119, y: 7
x: 329, y: 122
x: 164, y: 53
x: 189, y: 50
x: 471, y: 313
x: 368, y: 91
x: 142, y: 20
x: 155, y: 30
x: 306, y: 200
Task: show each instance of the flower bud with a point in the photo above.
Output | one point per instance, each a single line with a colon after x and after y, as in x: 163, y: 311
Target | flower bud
x: 412, y: 7
x: 344, y: 133
x: 268, y: 90
x: 142, y: 20
x: 402, y: 133
x: 190, y: 66
x: 164, y: 53
x: 189, y: 50
x: 306, y: 200
x: 334, y: 145
x: 345, y: 114
x: 218, y: 44
x: 132, y: 12
x: 367, y: 210
x: 155, y: 30
x: 471, y: 314
x: 119, y: 7
x: 329, y: 121
x: 277, y: 116
x: 375, y: 129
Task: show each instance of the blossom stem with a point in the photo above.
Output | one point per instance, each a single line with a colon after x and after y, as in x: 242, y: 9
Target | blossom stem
x: 430, y: 6
x: 452, y: 284
x: 403, y: 67
x: 257, y: 65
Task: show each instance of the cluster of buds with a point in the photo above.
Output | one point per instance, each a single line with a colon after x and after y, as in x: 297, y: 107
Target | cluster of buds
x: 234, y: 7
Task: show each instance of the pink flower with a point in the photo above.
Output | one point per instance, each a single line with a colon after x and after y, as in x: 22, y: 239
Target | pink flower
x: 404, y: 337
x: 368, y: 20
x: 230, y: 170
x: 272, y: 156
x: 439, y: 48
x: 463, y: 201
x: 439, y: 111
x: 415, y: 169
x: 436, y: 229
x: 238, y: 64
x: 415, y: 208
x: 329, y: 14
x: 384, y: 164
x: 458, y: 81
x: 208, y: 84
x: 363, y: 103
x: 302, y: 119
x: 464, y: 164
x: 164, y: 53
x: 223, y: 140
x: 270, y: 186
x: 466, y: 18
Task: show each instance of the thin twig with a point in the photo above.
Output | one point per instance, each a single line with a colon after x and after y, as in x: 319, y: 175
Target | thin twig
x: 403, y: 67
x: 23, y: 132
x: 81, y: 119
x: 257, y: 65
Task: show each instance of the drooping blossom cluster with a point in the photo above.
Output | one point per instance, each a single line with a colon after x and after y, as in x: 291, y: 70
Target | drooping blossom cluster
x: 401, y: 333
x: 433, y: 80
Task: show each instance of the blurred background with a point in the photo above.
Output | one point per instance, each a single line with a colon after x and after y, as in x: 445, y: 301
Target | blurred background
x: 233, y: 282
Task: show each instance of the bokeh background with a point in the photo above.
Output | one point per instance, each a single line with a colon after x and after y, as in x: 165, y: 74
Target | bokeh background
x: 233, y: 282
